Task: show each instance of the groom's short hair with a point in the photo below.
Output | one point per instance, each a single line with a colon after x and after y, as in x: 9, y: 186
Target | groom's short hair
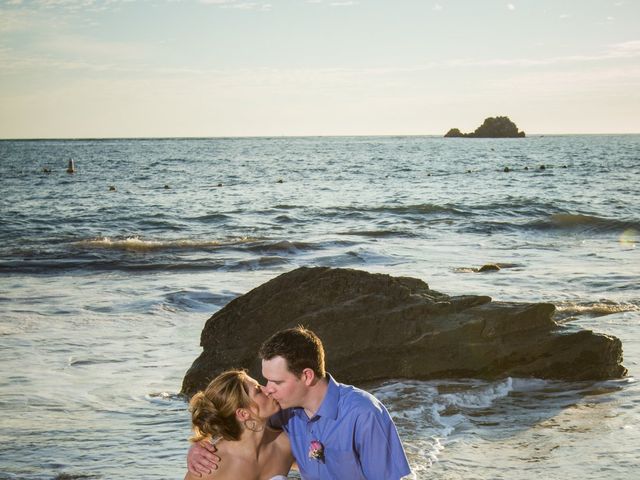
x: 300, y: 347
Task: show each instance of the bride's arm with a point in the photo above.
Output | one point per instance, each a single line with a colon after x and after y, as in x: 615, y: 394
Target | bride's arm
x: 285, y: 447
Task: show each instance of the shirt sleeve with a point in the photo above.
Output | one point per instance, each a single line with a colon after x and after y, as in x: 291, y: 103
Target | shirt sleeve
x: 380, y: 450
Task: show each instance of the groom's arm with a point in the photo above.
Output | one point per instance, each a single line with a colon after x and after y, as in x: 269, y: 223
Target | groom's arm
x: 202, y: 458
x: 380, y: 450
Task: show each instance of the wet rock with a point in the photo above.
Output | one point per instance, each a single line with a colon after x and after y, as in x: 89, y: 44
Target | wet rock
x: 376, y: 326
x: 489, y: 268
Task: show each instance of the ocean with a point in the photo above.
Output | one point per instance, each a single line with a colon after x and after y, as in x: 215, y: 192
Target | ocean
x: 107, y: 276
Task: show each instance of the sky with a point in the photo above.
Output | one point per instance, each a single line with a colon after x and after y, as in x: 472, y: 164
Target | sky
x: 212, y: 68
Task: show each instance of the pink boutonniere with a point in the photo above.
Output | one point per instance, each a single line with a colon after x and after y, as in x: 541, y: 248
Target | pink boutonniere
x: 316, y: 451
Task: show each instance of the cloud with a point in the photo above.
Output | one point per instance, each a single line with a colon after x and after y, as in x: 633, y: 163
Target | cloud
x: 625, y: 49
x: 630, y: 49
x: 72, y: 6
x: 12, y: 21
x: 73, y: 53
x: 608, y: 80
x: 238, y: 5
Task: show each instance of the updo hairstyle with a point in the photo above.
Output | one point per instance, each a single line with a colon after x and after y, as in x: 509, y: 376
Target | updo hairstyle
x: 213, y: 411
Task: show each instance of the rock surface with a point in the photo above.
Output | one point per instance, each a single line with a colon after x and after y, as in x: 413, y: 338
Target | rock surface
x: 492, y: 127
x: 376, y: 326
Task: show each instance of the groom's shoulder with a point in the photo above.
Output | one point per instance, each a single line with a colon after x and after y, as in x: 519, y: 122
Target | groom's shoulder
x: 357, y: 399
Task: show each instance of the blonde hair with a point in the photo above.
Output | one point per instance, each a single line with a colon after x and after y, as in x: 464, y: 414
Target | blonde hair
x: 213, y: 411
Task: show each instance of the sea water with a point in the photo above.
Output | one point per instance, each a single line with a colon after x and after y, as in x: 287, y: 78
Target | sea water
x: 108, y: 275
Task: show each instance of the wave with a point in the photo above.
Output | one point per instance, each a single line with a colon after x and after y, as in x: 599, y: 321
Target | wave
x: 593, y: 309
x: 79, y: 362
x: 164, y: 397
x: 54, y: 267
x: 283, y: 246
x: 211, y: 218
x: 134, y: 254
x: 49, y: 267
x: 585, y: 223
x: 251, y: 244
x: 629, y: 230
x: 190, y: 300
x: 439, y: 409
x: 380, y: 233
x: 136, y: 244
x: 257, y: 264
x: 417, y: 209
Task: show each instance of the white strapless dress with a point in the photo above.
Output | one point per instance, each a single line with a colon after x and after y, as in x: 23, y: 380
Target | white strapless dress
x: 278, y: 477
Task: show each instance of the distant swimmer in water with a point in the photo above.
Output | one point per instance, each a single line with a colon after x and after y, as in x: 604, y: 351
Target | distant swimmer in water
x: 72, y: 167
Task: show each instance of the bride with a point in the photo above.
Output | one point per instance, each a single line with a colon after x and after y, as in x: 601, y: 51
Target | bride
x: 232, y: 413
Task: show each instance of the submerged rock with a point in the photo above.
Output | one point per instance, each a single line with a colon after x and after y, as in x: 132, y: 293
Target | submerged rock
x: 376, y: 326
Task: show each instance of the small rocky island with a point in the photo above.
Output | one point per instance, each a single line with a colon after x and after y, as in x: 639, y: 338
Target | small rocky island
x: 376, y: 327
x: 493, y: 127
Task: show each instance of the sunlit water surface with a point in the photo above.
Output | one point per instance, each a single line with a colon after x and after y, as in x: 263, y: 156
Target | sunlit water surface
x: 104, y: 291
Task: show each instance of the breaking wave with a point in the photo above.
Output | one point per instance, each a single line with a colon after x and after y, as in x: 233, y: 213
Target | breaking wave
x: 586, y: 223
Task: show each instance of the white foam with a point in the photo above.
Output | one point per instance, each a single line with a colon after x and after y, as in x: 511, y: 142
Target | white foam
x: 603, y: 307
x: 135, y: 243
x: 482, y: 397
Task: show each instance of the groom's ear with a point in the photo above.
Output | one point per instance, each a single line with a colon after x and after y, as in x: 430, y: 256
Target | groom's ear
x: 308, y: 376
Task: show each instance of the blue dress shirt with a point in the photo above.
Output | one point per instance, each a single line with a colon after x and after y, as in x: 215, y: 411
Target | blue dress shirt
x: 359, y: 439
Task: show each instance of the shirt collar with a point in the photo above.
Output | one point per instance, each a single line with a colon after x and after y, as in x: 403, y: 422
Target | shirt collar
x: 329, y: 406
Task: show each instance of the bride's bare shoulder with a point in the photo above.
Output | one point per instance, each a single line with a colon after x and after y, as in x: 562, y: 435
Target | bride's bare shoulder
x: 230, y: 467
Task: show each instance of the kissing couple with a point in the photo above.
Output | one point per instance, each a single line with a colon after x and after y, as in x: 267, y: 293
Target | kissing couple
x: 244, y: 430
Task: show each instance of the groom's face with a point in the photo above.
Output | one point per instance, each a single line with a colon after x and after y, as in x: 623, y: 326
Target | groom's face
x: 285, y: 387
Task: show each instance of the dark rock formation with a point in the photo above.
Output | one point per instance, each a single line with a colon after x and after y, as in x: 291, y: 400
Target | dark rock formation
x: 490, y: 267
x: 454, y: 132
x: 376, y: 326
x: 493, y: 127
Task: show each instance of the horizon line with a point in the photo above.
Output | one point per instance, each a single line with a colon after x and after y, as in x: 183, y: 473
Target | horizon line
x: 222, y: 137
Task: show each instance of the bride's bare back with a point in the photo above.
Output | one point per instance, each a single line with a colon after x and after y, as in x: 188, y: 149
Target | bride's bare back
x: 271, y: 461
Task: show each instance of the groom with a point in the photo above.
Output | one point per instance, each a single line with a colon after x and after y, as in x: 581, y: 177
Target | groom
x: 336, y: 431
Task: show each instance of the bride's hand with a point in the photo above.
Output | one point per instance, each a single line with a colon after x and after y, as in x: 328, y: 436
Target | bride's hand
x: 201, y: 458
